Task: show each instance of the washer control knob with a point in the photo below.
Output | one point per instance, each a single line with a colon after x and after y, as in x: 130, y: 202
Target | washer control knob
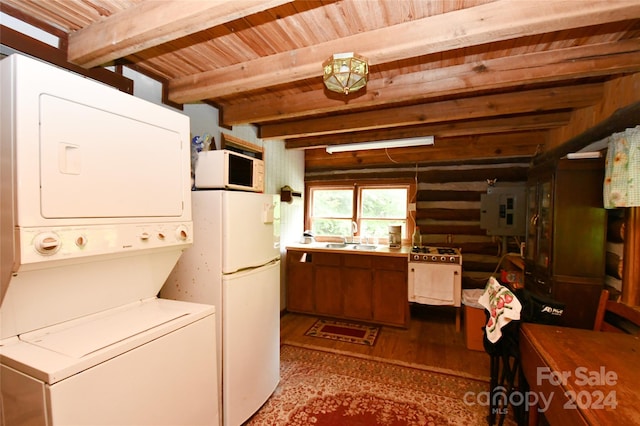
x: 182, y: 233
x: 144, y: 236
x: 81, y: 241
x: 47, y: 243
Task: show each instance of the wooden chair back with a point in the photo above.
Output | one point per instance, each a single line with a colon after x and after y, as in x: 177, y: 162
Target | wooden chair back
x: 616, y: 317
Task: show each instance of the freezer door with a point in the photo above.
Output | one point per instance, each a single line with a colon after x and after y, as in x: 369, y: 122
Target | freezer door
x: 251, y: 341
x: 250, y: 230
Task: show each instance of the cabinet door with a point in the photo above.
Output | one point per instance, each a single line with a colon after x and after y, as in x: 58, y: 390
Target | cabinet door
x: 299, y: 282
x: 580, y: 219
x: 581, y: 301
x: 327, y: 290
x: 540, y: 227
x: 357, y: 293
x: 532, y: 223
x: 390, y: 297
x: 545, y: 226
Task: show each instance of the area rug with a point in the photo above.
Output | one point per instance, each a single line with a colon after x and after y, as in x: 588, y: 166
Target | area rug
x: 326, y: 389
x: 344, y: 331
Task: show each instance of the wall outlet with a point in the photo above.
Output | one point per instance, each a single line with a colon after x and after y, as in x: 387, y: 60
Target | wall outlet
x: 412, y: 207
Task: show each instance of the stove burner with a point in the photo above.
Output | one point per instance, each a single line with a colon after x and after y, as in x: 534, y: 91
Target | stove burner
x: 435, y: 254
x: 446, y: 251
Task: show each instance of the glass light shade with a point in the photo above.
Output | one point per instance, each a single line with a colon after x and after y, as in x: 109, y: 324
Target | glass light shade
x: 345, y: 72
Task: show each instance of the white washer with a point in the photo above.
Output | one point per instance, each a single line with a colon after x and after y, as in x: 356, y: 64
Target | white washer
x: 90, y: 231
x: 132, y: 365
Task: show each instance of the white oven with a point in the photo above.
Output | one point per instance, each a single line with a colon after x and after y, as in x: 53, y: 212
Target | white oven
x: 435, y: 276
x: 96, y: 210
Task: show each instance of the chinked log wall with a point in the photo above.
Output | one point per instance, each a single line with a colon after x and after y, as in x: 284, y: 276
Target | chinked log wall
x: 615, y: 250
x: 448, y: 208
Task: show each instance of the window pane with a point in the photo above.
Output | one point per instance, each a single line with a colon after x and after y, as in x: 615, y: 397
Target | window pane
x: 332, y: 203
x: 380, y: 228
x: 384, y: 203
x: 333, y: 227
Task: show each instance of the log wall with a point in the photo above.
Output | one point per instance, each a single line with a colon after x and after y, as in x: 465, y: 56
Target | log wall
x: 614, y: 265
x: 448, y: 209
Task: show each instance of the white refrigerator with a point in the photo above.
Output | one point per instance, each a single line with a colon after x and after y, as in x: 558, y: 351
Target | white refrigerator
x: 234, y: 264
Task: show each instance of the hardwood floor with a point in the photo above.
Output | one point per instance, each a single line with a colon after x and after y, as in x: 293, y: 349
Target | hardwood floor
x: 431, y: 340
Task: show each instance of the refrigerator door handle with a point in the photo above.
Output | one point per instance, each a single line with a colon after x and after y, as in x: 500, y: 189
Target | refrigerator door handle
x: 249, y: 268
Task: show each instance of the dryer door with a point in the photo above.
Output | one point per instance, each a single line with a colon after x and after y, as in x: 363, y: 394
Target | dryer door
x: 94, y: 172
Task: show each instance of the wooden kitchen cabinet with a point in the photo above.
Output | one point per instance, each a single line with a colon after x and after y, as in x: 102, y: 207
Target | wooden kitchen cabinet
x: 327, y: 286
x: 390, y: 296
x: 350, y: 286
x: 566, y: 236
x: 357, y: 293
x: 299, y: 278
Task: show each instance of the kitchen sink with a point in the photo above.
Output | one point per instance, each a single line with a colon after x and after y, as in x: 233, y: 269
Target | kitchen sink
x: 351, y: 246
x: 364, y: 247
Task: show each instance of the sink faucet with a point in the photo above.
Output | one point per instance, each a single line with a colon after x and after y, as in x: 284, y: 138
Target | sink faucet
x: 354, y: 228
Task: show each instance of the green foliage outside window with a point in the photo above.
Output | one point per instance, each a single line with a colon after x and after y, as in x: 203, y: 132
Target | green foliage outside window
x: 332, y: 211
x: 379, y: 207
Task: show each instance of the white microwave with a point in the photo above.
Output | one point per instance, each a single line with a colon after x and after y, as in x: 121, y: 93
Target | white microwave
x: 225, y: 169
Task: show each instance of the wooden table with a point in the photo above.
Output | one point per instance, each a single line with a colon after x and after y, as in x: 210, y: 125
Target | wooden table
x: 592, y: 377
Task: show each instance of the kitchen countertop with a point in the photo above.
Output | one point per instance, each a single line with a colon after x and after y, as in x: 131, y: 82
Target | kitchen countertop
x: 381, y: 250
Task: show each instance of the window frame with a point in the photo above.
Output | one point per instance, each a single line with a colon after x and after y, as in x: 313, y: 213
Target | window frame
x: 356, y: 186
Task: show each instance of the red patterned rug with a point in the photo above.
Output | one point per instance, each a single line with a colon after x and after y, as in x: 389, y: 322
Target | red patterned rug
x: 344, y: 331
x: 327, y: 389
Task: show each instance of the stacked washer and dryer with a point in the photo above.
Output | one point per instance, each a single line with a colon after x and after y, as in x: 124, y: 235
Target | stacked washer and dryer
x: 96, y: 211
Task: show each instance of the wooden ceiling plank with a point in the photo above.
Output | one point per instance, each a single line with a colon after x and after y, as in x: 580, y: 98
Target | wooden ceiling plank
x: 570, y: 63
x: 459, y: 109
x: 499, y: 20
x: 152, y: 23
x: 443, y: 130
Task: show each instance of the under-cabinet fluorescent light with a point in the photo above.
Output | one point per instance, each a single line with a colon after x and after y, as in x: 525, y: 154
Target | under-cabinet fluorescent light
x: 392, y: 143
x: 582, y: 155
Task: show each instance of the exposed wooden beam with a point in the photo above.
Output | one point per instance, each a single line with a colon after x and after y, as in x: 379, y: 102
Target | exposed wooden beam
x: 456, y: 150
x: 625, y: 117
x: 458, y: 109
x: 549, y: 66
x: 444, y: 129
x: 514, y: 173
x: 151, y: 23
x: 499, y: 20
x: 24, y: 43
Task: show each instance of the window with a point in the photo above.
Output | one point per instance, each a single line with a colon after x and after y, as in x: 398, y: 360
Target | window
x: 364, y: 210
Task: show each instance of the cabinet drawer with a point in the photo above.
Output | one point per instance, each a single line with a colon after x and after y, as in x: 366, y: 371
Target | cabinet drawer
x: 391, y: 263
x: 357, y: 261
x: 326, y: 259
x: 295, y: 257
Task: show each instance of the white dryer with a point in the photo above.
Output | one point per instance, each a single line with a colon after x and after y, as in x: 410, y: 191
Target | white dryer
x: 96, y: 211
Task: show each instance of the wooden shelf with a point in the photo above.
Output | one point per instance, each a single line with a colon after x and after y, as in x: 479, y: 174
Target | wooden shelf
x: 237, y: 144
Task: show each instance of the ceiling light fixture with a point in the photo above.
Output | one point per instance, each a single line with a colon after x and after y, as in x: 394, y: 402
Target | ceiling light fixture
x: 345, y: 72
x: 391, y: 143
